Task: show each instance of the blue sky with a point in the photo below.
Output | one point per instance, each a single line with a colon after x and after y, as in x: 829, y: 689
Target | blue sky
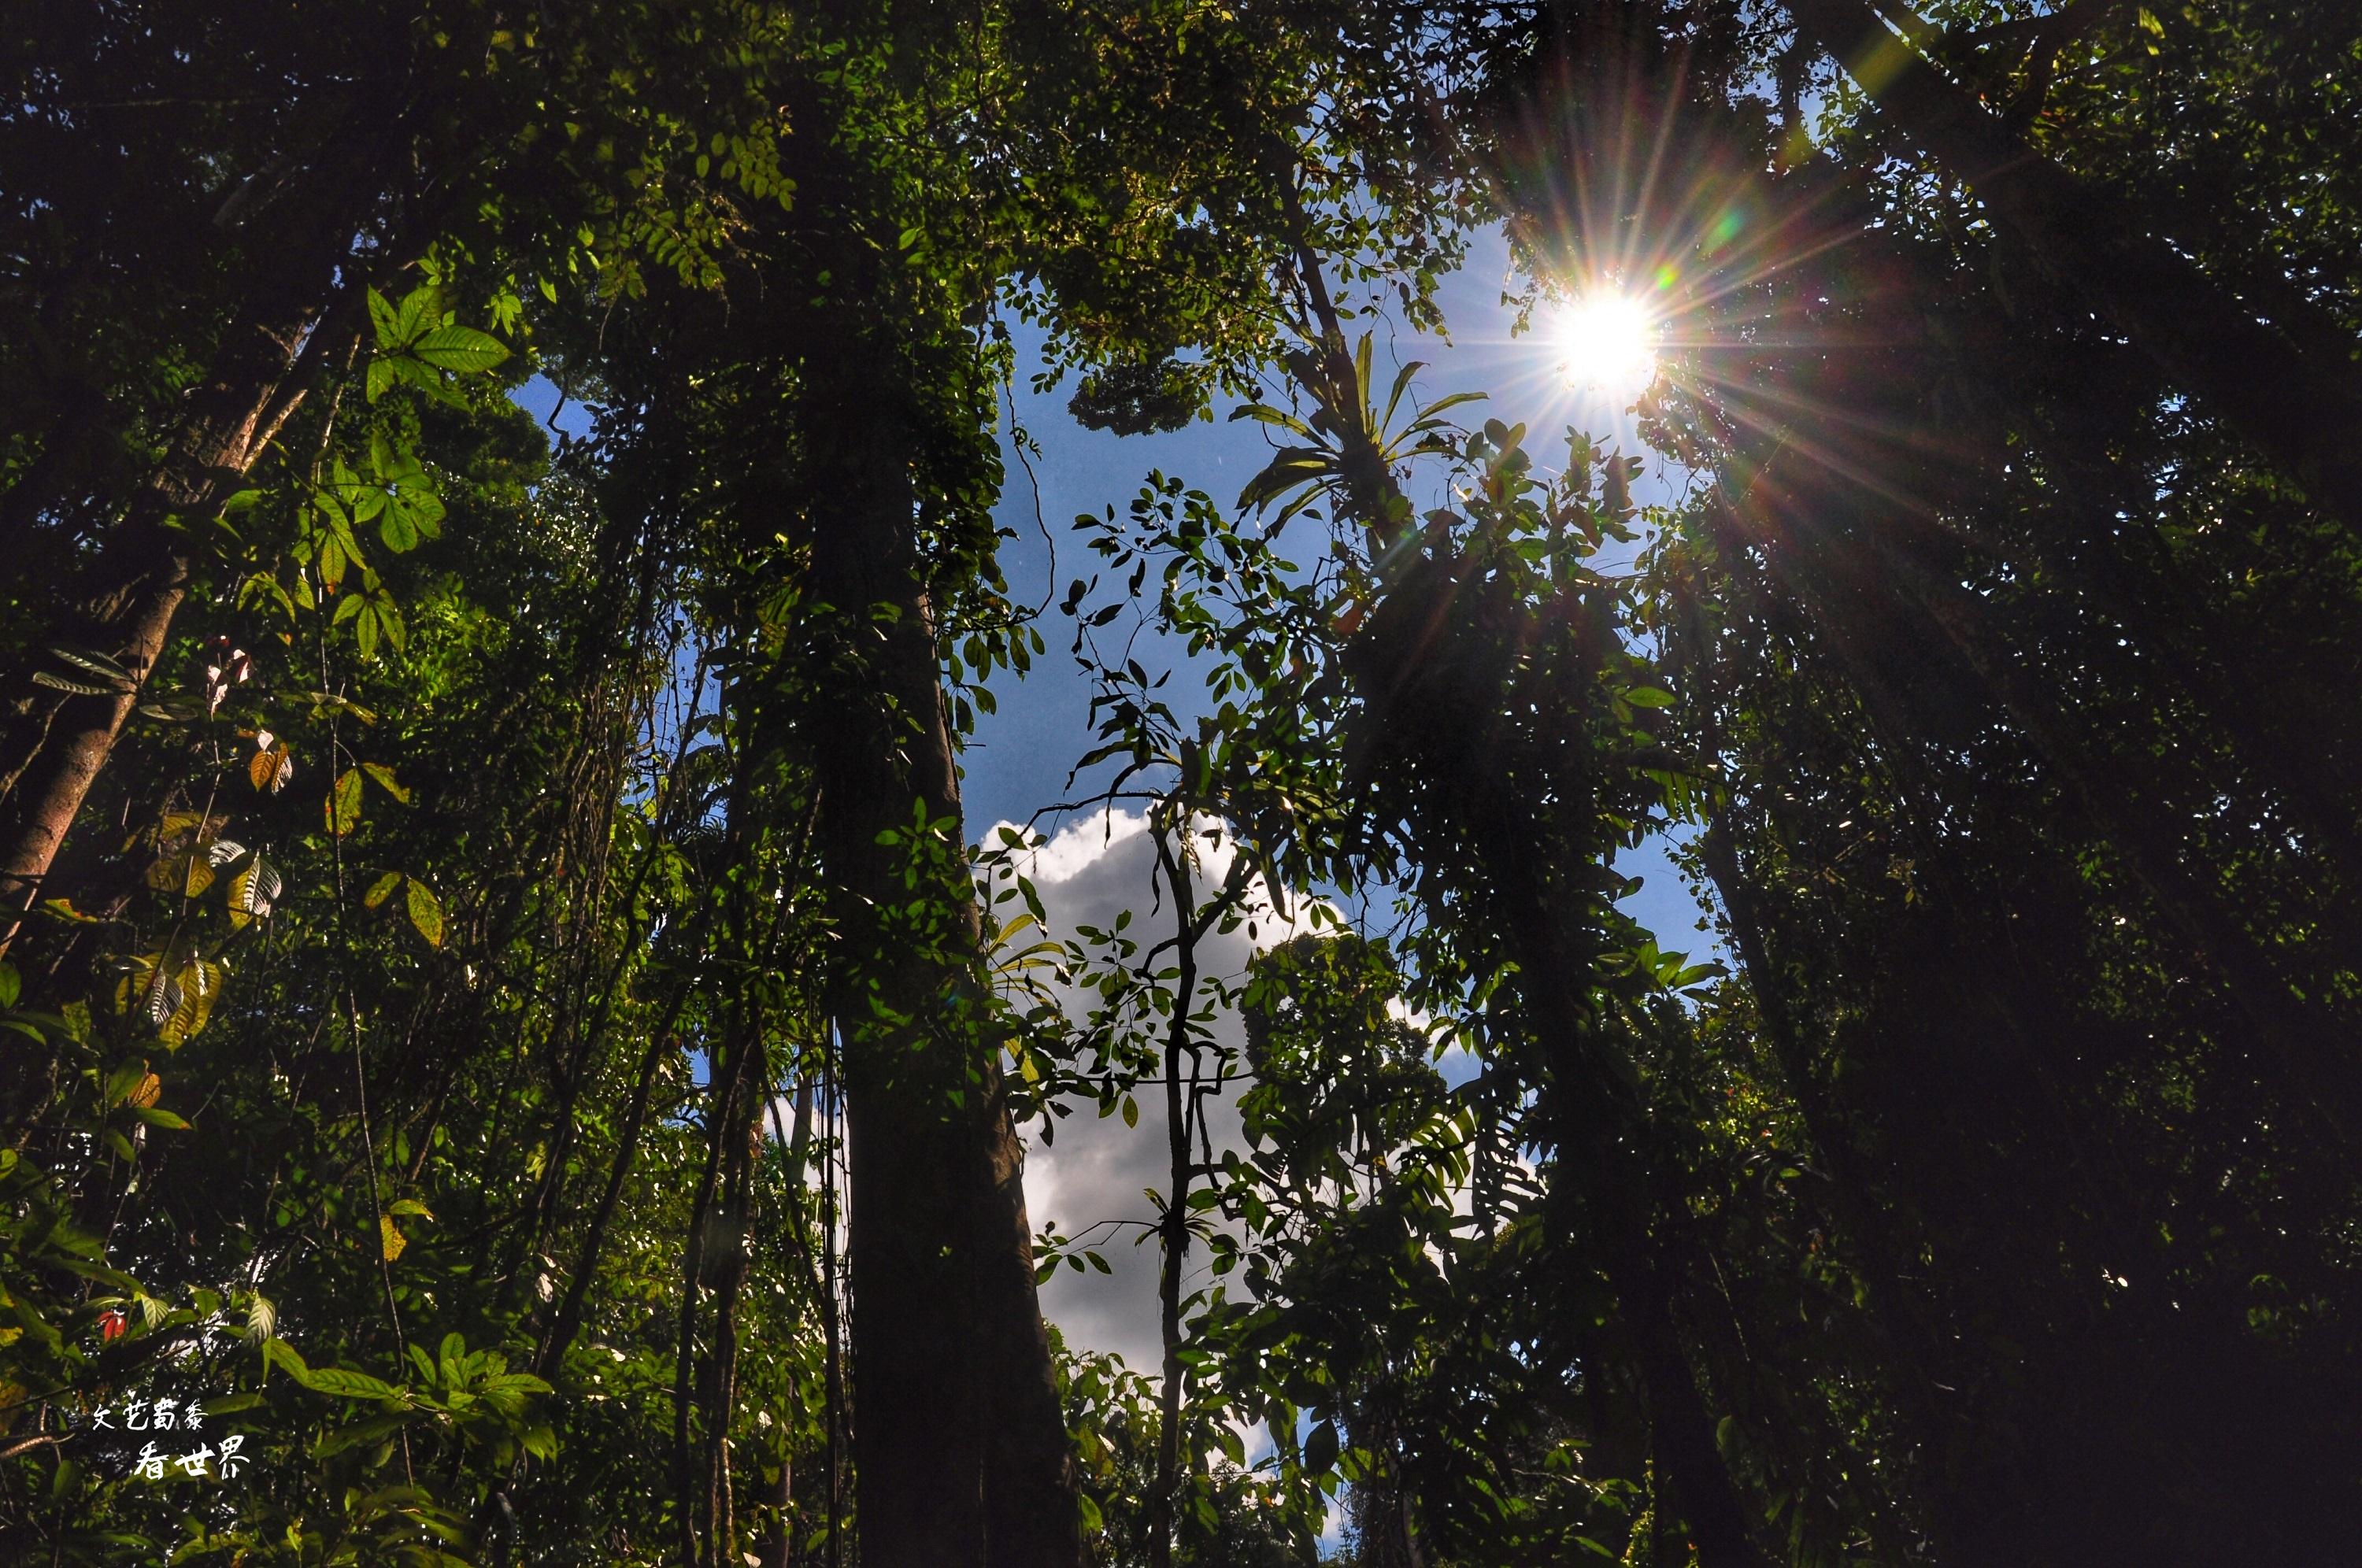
x: 1018, y: 761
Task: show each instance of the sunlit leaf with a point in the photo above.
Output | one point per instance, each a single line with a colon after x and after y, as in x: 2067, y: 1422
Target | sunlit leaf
x: 425, y: 912
x: 459, y: 348
x: 386, y: 780
x: 344, y: 803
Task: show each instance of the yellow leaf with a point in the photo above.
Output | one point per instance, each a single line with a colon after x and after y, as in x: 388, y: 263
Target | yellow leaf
x: 387, y: 781
x: 195, y: 986
x: 344, y: 802
x: 145, y: 1095
x: 390, y: 1237
x: 252, y: 892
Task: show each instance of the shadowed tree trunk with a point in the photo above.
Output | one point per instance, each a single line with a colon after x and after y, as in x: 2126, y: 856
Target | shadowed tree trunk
x: 1404, y: 664
x: 1393, y: 664
x: 301, y: 310
x: 960, y: 1449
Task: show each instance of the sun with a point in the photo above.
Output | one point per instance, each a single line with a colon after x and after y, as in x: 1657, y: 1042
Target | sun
x: 1608, y: 344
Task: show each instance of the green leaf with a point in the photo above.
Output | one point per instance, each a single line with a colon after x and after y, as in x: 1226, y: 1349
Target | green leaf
x: 359, y: 1433
x: 326, y: 703
x: 512, y: 1383
x: 1320, y: 1447
x: 462, y: 349
x: 381, y: 319
x: 425, y: 912
x: 419, y: 308
x: 64, y: 683
x: 279, y: 1353
x: 1291, y: 467
x: 348, y: 1385
x: 1264, y: 413
x: 396, y: 529
x: 96, y: 664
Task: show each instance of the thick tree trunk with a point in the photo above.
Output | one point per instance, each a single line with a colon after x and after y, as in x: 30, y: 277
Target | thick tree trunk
x: 1598, y: 1126
x: 1602, y: 1138
x: 1409, y: 663
x: 2301, y: 412
x: 960, y: 1450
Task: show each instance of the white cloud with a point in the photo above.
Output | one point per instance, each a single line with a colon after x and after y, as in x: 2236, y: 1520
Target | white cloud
x: 1094, y: 1172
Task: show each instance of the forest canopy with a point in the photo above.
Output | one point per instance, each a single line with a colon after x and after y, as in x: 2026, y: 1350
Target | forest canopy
x: 513, y: 1051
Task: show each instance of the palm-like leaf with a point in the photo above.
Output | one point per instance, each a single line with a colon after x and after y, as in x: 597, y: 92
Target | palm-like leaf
x: 1297, y: 474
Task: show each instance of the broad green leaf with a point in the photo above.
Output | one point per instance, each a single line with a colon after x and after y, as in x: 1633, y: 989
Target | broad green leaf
x: 462, y: 349
x: 348, y: 1385
x: 1320, y: 1447
x: 417, y: 312
x: 425, y: 912
x: 381, y: 319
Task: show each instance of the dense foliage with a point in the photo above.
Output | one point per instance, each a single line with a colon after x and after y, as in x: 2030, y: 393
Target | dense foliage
x: 501, y: 1012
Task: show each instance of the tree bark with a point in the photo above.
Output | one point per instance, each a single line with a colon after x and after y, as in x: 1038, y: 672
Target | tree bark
x: 960, y: 1449
x: 300, y: 310
x: 1595, y: 1122
x: 1601, y: 1134
x: 1175, y: 865
x: 2301, y: 412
